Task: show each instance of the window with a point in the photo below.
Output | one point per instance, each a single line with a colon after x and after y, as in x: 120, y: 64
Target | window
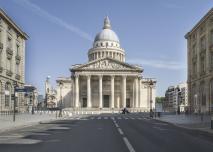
x: 17, y: 69
x: 7, y: 95
x: 194, y: 50
x: 194, y: 72
x: 0, y: 36
x: 17, y: 49
x: 202, y: 65
x: 9, y: 41
x: 8, y: 64
x: 211, y: 60
x: 211, y: 37
x: 203, y: 43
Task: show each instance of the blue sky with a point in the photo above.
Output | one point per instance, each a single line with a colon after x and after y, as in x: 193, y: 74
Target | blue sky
x: 151, y: 32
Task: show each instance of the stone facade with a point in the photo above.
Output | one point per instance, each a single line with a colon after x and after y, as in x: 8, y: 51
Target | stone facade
x: 176, y: 98
x: 12, y: 63
x: 106, y: 82
x: 200, y: 64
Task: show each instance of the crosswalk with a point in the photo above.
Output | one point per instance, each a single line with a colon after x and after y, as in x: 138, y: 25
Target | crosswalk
x: 110, y: 117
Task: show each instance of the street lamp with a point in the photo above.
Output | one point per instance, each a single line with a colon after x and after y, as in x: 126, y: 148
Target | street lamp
x: 150, y: 87
x: 14, y: 104
x: 195, y: 103
x: 60, y: 112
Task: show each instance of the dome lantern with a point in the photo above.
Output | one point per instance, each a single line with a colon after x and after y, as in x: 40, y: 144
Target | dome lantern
x: 107, y: 23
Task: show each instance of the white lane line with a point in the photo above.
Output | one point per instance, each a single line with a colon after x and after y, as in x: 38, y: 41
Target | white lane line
x: 112, y: 118
x: 116, y: 125
x: 92, y: 118
x: 105, y: 117
x: 129, y: 146
x: 120, y: 131
x: 126, y: 118
x: 119, y: 117
x: 99, y: 118
x: 132, y: 118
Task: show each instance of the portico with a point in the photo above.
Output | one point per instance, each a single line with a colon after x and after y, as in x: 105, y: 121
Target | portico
x: 106, y: 90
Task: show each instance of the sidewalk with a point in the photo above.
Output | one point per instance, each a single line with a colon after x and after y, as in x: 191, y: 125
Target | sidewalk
x: 24, y: 120
x: 189, y: 121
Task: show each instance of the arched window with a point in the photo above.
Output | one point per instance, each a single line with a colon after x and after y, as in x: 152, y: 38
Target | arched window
x: 7, y: 94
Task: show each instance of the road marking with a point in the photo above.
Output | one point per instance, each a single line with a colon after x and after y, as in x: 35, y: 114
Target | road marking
x: 139, y: 118
x: 112, y: 118
x: 126, y: 118
x: 120, y: 131
x: 129, y: 146
x: 119, y: 117
x: 132, y: 118
x: 99, y: 118
x: 158, y: 128
x: 105, y: 117
x: 116, y: 125
x: 92, y: 118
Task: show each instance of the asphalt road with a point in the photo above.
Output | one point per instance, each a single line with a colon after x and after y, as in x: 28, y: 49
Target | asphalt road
x: 106, y: 133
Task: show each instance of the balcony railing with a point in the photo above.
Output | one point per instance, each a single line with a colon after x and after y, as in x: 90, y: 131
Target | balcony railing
x: 9, y: 73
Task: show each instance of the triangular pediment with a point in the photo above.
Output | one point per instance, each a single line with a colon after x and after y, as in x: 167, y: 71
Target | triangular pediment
x: 106, y: 64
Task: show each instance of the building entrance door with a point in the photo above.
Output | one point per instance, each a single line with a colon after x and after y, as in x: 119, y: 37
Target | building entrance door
x: 84, y: 102
x: 128, y: 103
x: 106, y: 101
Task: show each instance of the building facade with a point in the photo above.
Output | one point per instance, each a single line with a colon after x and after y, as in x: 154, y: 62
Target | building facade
x: 176, y: 98
x: 200, y: 64
x: 12, y: 63
x: 50, y: 95
x: 107, y: 82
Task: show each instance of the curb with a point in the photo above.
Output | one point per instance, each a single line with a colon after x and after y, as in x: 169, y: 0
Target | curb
x: 28, y: 125
x: 189, y: 128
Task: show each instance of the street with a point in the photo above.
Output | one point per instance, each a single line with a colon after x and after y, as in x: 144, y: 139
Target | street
x: 105, y: 133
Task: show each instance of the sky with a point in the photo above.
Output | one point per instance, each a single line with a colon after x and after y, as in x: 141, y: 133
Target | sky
x: 62, y: 31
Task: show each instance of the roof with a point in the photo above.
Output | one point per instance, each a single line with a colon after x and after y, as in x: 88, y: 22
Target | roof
x: 210, y: 12
x: 106, y: 64
x: 13, y: 24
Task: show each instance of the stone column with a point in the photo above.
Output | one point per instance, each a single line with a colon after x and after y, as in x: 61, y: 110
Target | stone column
x: 100, y: 92
x: 89, y: 91
x: 124, y: 90
x: 112, y: 91
x: 136, y: 92
x: 76, y: 91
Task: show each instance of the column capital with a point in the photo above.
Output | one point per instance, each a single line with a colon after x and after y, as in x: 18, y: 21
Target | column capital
x: 88, y: 76
x: 124, y: 76
x: 100, y: 75
x: 76, y: 75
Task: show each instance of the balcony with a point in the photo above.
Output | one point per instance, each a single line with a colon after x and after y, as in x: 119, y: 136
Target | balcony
x: 18, y: 59
x: 9, y: 53
x: 9, y: 73
x: 18, y: 77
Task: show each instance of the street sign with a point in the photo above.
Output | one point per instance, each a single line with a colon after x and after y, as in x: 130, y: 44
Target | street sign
x: 20, y: 90
x: 24, y: 89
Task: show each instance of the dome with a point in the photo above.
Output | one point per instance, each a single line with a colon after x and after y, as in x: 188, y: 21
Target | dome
x: 106, y: 34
